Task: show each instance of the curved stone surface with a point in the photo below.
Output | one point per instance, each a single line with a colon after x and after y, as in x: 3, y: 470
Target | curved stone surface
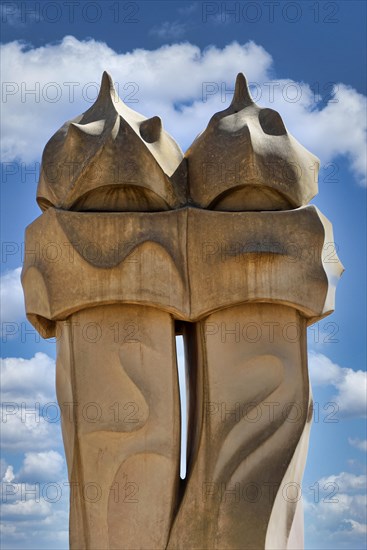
x: 246, y: 160
x: 111, y: 158
x: 122, y: 259
x: 118, y: 393
x: 188, y: 262
x: 251, y: 407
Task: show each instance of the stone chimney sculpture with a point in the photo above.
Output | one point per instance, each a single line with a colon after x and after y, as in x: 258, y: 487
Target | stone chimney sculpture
x: 138, y: 243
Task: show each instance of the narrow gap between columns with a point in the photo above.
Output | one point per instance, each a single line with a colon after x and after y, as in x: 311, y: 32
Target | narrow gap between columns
x: 183, y: 402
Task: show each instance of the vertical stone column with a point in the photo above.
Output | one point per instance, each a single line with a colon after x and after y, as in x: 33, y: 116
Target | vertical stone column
x: 252, y: 403
x: 118, y: 392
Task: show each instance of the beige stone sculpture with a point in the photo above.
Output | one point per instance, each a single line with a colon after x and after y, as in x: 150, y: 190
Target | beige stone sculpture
x: 137, y: 244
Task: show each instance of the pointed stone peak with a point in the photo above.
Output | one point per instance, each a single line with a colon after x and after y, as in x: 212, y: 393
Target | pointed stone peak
x: 150, y: 129
x: 120, y: 138
x: 241, y: 97
x: 107, y: 103
x: 107, y: 89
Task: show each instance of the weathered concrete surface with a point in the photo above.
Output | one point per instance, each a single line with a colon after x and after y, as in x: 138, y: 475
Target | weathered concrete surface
x: 83, y: 168
x: 246, y: 160
x: 137, y: 243
x: 188, y: 262
x: 250, y: 407
x: 117, y: 365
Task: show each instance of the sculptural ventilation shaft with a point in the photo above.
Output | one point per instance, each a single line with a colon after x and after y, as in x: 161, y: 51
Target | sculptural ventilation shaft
x: 138, y: 243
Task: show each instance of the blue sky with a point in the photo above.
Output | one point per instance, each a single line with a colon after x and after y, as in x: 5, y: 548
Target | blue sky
x: 179, y: 60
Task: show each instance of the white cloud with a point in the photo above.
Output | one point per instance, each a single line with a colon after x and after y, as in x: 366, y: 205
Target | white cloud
x: 322, y: 370
x: 28, y: 380
x: 350, y: 384
x: 360, y: 444
x: 35, y: 531
x: 352, y: 396
x: 346, y: 482
x: 26, y: 508
x: 169, y: 81
x: 3, y: 467
x: 341, y: 131
x: 169, y: 30
x: 42, y: 466
x: 11, y: 297
x: 30, y: 413
x: 7, y: 529
x: 28, y: 430
x: 337, y: 516
x: 356, y: 527
x: 157, y: 80
x: 37, y: 496
x: 35, y: 503
x: 9, y: 474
